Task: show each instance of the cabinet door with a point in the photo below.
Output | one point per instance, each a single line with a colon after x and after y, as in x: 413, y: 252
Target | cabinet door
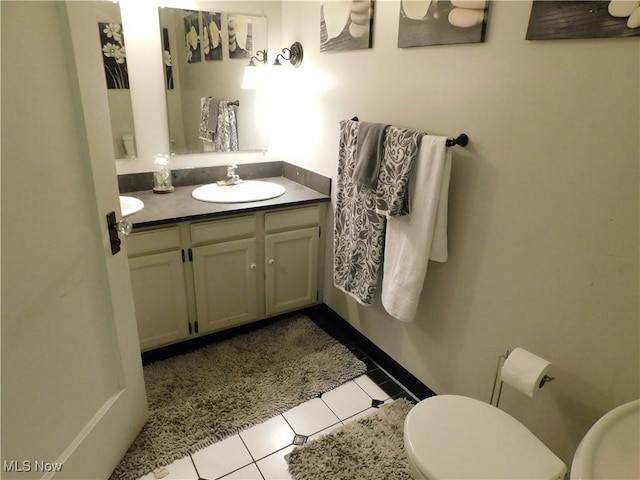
x: 291, y: 269
x: 159, y: 297
x: 226, y: 284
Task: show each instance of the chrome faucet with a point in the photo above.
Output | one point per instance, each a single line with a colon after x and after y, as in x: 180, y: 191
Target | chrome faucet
x: 232, y: 177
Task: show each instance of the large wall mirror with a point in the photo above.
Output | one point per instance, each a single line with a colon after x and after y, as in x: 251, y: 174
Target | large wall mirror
x: 205, y: 53
x: 105, y: 18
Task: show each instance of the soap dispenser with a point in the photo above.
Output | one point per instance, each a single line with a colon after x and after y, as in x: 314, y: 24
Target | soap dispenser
x: 162, y: 174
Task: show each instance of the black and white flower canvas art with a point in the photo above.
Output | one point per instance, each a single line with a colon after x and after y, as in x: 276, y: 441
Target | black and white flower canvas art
x: 346, y: 25
x: 583, y: 19
x: 211, y: 38
x: 440, y: 22
x: 167, y: 60
x: 192, y: 36
x: 114, y: 55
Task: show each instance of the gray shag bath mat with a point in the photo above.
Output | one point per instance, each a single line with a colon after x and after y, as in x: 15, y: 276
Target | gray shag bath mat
x: 209, y: 394
x: 369, y: 448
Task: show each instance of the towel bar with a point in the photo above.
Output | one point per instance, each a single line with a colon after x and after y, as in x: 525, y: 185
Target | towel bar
x: 462, y: 139
x: 235, y: 102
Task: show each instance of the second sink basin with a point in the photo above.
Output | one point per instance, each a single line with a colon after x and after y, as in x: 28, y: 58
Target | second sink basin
x: 247, y: 191
x: 130, y: 205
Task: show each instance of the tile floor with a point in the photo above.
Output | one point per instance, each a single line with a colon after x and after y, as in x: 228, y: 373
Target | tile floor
x: 258, y: 452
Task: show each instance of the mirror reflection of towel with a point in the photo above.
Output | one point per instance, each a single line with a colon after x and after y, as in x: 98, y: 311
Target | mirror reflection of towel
x: 226, y: 136
x: 214, y: 105
x: 205, y: 108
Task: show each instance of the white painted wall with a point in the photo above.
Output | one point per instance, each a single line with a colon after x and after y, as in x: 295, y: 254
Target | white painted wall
x: 543, y: 224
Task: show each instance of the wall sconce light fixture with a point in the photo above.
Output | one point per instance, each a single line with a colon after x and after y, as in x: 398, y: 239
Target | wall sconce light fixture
x: 295, y: 54
x: 251, y: 77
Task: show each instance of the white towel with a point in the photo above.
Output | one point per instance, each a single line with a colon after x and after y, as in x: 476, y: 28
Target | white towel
x: 412, y: 240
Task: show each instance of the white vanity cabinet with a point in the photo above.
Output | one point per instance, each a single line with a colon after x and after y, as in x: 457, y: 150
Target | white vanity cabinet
x: 199, y: 277
x: 225, y: 271
x: 159, y: 289
x: 291, y: 254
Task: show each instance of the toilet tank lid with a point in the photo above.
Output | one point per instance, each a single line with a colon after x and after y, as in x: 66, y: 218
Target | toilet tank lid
x: 450, y: 436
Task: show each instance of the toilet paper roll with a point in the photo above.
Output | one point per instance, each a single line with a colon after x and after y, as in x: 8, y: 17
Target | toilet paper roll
x: 524, y: 371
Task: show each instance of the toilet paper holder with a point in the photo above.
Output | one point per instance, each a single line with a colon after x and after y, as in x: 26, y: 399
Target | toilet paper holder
x: 501, y: 359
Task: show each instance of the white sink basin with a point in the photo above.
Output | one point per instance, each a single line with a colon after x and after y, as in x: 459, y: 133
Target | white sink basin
x: 611, y: 448
x: 247, y: 191
x: 130, y: 205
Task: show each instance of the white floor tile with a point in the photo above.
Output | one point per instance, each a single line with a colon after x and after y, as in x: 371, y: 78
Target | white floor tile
x: 369, y: 386
x: 368, y: 411
x: 324, y: 432
x: 364, y: 413
x: 347, y: 400
x: 274, y: 467
x: 268, y: 437
x: 250, y: 472
x: 179, y: 470
x: 222, y: 457
x: 310, y: 417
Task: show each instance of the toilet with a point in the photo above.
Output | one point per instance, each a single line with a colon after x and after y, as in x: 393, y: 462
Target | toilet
x: 451, y: 436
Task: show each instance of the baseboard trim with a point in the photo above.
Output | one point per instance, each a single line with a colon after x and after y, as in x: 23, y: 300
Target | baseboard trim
x: 408, y: 380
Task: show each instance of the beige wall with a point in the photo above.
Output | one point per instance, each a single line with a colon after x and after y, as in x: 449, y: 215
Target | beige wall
x: 543, y: 223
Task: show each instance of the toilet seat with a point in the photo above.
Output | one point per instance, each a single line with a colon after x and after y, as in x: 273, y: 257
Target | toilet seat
x: 450, y: 436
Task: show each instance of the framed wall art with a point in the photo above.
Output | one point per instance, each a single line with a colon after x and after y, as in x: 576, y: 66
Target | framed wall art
x: 346, y: 25
x: 240, y: 29
x: 440, y: 22
x: 192, y: 36
x: 583, y: 19
x: 211, y: 38
x: 167, y: 59
x: 114, y: 56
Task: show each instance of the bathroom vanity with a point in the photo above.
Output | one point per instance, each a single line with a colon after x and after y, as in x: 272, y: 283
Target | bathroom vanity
x: 199, y: 267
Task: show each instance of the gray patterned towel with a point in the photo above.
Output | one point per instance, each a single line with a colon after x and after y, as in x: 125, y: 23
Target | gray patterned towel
x: 399, y: 153
x: 203, y: 128
x: 358, y: 230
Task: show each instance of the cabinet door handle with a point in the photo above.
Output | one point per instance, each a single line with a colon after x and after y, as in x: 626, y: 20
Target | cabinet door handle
x: 271, y: 261
x: 253, y: 266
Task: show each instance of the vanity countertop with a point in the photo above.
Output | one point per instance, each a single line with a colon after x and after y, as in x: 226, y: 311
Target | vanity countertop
x: 179, y: 206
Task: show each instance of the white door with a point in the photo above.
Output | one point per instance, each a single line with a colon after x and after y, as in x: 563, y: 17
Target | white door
x: 72, y: 388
